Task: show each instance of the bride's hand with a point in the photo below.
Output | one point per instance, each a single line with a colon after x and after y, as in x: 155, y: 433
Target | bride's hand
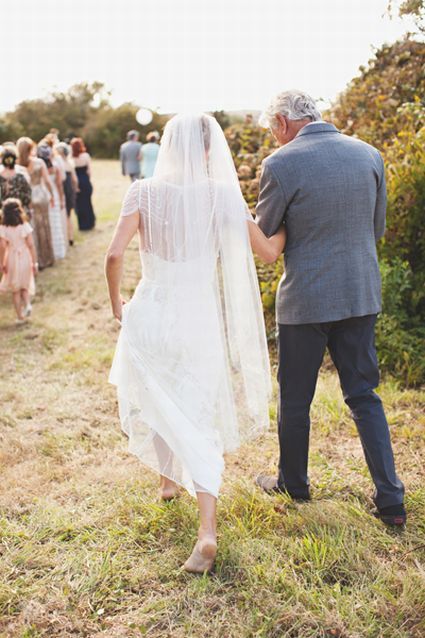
x: 117, y: 309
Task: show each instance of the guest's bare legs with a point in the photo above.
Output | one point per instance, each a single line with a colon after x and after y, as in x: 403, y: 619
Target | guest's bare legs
x: 70, y: 228
x: 25, y: 298
x: 17, y: 302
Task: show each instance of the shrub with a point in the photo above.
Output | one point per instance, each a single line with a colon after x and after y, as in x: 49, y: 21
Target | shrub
x: 384, y: 106
x: 399, y: 338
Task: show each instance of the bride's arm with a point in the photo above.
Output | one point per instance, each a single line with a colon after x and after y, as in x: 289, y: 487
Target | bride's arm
x: 267, y: 249
x: 124, y: 232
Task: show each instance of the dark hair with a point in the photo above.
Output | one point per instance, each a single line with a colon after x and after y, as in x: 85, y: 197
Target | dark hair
x: 77, y: 146
x: 9, y: 158
x: 152, y: 137
x: 13, y: 213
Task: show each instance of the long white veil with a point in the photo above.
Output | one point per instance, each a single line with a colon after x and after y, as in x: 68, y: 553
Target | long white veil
x: 196, y: 253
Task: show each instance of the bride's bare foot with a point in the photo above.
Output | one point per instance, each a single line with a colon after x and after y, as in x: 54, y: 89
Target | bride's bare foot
x: 167, y: 489
x: 203, y: 555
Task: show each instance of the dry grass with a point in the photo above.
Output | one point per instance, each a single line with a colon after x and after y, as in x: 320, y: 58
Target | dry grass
x: 87, y: 551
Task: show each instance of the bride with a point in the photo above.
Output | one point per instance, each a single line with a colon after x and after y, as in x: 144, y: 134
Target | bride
x: 191, y: 364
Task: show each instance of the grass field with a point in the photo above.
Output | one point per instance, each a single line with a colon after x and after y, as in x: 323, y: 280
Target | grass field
x: 86, y: 549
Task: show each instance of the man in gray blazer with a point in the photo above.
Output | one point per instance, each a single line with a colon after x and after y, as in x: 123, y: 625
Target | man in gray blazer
x: 130, y: 156
x: 329, y: 191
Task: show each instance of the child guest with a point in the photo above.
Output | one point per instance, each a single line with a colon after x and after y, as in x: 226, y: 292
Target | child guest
x: 18, y: 261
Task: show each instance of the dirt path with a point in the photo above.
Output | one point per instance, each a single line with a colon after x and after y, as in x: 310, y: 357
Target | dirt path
x: 56, y: 402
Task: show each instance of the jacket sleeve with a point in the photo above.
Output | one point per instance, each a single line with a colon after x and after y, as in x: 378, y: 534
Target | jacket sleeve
x: 381, y: 204
x: 272, y: 202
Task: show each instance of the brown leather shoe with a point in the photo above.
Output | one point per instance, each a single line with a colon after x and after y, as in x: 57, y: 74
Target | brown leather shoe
x: 268, y: 484
x: 271, y: 486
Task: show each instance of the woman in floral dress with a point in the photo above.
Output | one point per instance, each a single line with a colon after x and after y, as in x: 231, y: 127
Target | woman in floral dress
x: 12, y: 183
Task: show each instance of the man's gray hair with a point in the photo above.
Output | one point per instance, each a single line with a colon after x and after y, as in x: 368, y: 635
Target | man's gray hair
x: 295, y: 105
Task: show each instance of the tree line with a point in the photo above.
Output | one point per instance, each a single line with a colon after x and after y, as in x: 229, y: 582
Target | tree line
x: 83, y: 110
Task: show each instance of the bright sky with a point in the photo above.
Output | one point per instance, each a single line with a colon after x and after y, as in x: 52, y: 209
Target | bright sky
x: 190, y: 54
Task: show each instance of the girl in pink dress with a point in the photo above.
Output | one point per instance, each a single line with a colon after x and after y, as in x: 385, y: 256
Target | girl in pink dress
x: 18, y: 261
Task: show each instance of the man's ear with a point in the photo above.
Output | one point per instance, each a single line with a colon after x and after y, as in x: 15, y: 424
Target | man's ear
x: 282, y: 121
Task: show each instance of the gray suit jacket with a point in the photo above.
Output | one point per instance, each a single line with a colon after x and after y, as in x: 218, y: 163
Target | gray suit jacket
x: 329, y: 190
x: 130, y: 157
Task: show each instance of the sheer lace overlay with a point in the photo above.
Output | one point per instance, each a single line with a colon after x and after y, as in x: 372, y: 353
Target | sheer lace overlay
x: 191, y: 364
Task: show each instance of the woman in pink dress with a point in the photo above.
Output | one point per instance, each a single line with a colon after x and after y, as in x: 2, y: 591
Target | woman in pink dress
x: 18, y: 261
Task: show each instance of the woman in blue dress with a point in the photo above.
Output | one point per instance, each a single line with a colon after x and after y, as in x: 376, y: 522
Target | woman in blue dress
x: 150, y: 153
x: 83, y: 204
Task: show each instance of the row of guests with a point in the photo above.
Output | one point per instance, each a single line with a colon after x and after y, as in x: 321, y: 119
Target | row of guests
x: 39, y: 188
x: 49, y: 184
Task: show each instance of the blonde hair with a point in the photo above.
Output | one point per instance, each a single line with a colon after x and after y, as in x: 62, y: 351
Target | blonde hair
x: 24, y: 147
x: 51, y: 139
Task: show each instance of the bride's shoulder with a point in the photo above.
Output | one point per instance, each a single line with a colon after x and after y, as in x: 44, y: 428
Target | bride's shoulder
x: 145, y: 182
x: 139, y: 185
x: 134, y: 197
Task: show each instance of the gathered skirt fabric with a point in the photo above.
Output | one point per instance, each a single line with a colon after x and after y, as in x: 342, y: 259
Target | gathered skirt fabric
x: 58, y: 224
x: 170, y: 371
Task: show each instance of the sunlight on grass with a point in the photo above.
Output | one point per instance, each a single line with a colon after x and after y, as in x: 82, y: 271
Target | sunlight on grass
x: 86, y: 548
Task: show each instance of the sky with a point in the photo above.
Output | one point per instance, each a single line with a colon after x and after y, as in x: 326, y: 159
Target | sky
x: 176, y: 55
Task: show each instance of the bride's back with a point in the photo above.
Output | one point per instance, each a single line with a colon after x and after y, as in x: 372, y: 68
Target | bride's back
x: 198, y: 298
x: 194, y: 195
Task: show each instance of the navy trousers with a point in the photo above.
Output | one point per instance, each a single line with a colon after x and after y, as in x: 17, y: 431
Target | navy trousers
x: 351, y: 344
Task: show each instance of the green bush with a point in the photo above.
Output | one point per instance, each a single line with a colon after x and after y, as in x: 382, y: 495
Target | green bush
x: 405, y: 235
x: 400, y: 338
x: 105, y: 130
x: 368, y: 108
x: 384, y: 106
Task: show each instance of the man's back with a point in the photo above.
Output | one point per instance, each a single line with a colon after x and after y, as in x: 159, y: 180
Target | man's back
x: 130, y: 156
x: 330, y: 191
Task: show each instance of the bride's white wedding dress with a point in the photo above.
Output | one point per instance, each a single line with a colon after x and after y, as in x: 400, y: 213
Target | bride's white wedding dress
x: 191, y: 364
